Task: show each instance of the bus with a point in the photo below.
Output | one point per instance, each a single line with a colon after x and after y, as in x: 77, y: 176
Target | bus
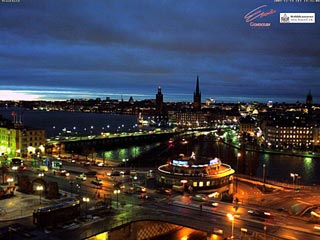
x: 17, y: 164
x: 56, y: 214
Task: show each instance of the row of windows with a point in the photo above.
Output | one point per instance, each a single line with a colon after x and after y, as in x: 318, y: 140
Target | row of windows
x: 208, y: 183
x: 303, y: 128
x: 289, y: 132
x: 290, y: 136
x: 290, y: 140
x: 200, y: 184
x: 294, y: 136
x: 297, y: 132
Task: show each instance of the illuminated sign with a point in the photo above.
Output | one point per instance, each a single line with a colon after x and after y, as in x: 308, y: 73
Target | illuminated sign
x: 214, y: 161
x: 180, y: 163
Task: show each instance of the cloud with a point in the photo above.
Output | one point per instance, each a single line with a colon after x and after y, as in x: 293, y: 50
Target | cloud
x: 137, y: 45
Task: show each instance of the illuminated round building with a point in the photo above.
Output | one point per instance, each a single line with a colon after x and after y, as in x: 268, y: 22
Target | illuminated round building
x: 184, y: 174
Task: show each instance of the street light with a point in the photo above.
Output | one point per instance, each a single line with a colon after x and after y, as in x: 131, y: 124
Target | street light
x: 238, y: 156
x: 40, y: 189
x: 294, y: 176
x: 86, y: 200
x: 117, y: 191
x: 264, y: 173
x: 231, y: 218
x: 10, y: 180
x: 185, y: 142
x: 125, y: 160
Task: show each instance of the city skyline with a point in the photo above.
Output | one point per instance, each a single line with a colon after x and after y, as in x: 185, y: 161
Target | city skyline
x: 53, y: 50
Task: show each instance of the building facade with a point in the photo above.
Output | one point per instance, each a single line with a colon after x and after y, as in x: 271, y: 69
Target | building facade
x: 17, y: 140
x: 184, y: 175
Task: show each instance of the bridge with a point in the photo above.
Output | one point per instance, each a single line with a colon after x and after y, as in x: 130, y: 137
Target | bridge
x: 149, y: 222
x: 107, y: 141
x: 62, y: 144
x: 140, y: 223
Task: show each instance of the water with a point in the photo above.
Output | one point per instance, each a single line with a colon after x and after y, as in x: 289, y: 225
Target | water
x: 63, y: 123
x: 278, y: 167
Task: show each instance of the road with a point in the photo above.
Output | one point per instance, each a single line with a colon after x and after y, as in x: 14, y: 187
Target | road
x: 180, y: 208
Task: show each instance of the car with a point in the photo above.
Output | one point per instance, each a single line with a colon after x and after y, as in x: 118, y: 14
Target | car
x: 199, y: 197
x: 316, y: 227
x: 115, y: 173
x: 138, y: 189
x: 82, y: 177
x: 167, y: 191
x: 119, y: 185
x: 259, y: 213
x: 218, y: 231
x: 143, y: 196
x: 86, y: 163
x: 22, y: 168
x: 213, y: 203
x: 64, y: 173
x: 101, y: 164
x: 97, y: 182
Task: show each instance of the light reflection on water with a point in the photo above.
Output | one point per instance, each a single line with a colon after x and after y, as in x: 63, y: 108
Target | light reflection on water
x: 279, y: 167
x: 126, y: 153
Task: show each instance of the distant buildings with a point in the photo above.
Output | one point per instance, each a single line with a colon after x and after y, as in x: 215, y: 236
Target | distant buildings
x: 284, y: 126
x: 248, y: 125
x: 193, y: 116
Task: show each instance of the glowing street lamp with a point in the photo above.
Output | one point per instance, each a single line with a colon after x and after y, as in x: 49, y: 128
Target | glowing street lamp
x: 10, y: 181
x: 117, y: 191
x: 238, y: 156
x: 86, y: 200
x: 294, y: 177
x: 125, y: 160
x: 231, y: 218
x: 39, y: 188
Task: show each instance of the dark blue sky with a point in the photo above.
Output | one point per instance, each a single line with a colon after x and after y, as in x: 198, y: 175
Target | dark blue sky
x: 77, y: 49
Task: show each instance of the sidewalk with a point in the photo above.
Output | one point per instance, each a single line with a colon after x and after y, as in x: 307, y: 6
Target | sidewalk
x: 22, y: 205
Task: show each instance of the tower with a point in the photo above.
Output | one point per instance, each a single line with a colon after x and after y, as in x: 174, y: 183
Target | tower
x: 309, y: 102
x: 197, y: 97
x: 159, y: 102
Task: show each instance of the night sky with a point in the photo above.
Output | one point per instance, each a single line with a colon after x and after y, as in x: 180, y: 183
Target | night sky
x: 87, y: 49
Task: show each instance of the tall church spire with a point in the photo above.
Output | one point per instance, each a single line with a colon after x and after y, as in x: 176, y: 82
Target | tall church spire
x: 197, y: 97
x: 309, y: 102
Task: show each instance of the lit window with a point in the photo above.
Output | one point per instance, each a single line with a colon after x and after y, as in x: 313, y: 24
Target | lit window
x: 208, y: 183
x: 195, y: 184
